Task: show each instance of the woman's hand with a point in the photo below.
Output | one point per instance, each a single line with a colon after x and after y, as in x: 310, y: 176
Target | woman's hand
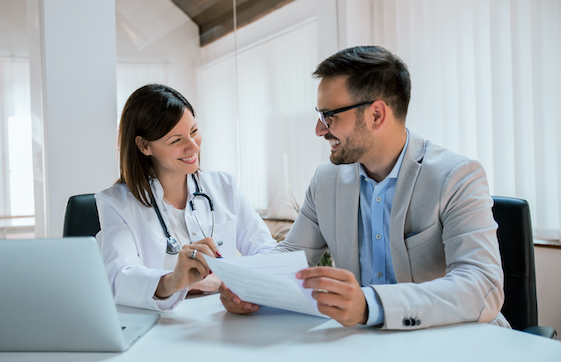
x: 211, y: 245
x: 208, y: 285
x: 188, y: 270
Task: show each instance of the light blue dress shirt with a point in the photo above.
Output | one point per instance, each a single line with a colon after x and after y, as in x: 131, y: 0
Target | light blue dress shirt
x: 376, y: 267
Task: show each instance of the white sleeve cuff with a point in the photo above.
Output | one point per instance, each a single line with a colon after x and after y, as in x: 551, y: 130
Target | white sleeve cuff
x: 375, y: 309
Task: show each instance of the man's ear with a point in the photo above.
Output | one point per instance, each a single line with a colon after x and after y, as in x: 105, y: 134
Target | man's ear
x: 142, y: 145
x: 378, y: 113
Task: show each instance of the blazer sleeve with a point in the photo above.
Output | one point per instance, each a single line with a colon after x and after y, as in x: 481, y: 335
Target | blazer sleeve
x: 472, y: 288
x: 133, y: 284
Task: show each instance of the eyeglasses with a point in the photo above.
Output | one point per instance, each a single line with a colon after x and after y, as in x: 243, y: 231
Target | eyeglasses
x: 324, y: 115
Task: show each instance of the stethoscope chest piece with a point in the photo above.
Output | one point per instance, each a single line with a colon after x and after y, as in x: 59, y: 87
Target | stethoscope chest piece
x: 173, y: 246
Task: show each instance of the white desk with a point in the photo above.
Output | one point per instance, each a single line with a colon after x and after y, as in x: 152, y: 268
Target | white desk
x: 201, y: 330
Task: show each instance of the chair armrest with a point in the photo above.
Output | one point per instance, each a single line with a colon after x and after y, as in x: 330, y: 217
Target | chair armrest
x: 547, y: 332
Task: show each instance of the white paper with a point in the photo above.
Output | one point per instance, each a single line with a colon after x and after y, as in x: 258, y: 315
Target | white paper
x: 267, y: 280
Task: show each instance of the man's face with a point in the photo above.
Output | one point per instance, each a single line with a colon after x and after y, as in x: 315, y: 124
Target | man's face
x: 347, y: 133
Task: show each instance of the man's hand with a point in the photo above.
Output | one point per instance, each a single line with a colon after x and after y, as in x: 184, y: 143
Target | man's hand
x: 338, y: 294
x: 233, y: 303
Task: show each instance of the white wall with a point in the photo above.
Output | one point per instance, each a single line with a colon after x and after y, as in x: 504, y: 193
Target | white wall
x: 73, y: 101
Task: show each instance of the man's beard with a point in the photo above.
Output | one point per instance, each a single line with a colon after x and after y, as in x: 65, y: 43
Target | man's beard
x: 355, y: 147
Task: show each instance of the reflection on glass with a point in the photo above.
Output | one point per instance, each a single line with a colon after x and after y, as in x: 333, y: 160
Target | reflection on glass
x: 21, y: 166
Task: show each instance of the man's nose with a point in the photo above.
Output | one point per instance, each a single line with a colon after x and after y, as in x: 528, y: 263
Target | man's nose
x: 321, y: 130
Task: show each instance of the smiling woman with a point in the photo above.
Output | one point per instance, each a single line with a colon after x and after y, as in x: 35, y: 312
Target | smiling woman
x: 154, y: 258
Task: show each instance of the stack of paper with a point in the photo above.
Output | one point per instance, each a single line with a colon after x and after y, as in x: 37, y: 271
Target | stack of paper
x: 267, y: 280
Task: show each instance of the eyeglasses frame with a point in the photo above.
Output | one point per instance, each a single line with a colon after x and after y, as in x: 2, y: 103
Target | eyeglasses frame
x: 323, y: 115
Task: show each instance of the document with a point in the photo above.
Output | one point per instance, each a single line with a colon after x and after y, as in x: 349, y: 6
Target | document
x: 267, y: 280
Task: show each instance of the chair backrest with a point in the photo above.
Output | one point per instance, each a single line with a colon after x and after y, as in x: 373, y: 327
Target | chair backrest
x: 517, y: 252
x: 81, y: 217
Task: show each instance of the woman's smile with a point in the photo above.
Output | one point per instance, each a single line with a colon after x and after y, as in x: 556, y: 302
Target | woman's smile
x: 189, y: 160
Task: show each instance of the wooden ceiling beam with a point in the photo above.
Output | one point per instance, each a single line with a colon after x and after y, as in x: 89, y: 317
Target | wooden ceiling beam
x: 215, y: 17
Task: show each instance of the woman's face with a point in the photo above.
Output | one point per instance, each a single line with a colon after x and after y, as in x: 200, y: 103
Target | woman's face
x: 177, y: 153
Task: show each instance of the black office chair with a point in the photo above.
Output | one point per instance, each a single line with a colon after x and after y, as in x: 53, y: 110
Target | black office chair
x: 81, y: 217
x: 517, y: 252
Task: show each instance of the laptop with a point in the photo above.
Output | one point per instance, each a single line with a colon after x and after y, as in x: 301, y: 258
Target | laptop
x: 55, y: 297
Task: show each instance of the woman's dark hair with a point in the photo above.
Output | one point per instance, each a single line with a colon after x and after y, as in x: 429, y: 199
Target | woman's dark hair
x: 373, y: 73
x: 150, y: 112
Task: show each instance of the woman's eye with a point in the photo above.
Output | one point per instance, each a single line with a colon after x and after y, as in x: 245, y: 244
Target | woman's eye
x: 194, y: 131
x: 175, y: 141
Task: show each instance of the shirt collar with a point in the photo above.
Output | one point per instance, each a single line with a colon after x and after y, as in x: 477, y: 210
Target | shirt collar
x: 158, y: 190
x: 395, y: 170
x: 191, y: 189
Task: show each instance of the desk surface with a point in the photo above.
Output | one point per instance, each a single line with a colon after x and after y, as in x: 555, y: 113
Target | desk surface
x: 201, y: 330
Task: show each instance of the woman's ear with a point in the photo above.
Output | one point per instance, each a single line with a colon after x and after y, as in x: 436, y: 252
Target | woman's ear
x: 142, y: 145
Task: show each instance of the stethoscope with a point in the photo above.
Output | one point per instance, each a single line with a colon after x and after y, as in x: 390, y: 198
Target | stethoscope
x: 173, y: 246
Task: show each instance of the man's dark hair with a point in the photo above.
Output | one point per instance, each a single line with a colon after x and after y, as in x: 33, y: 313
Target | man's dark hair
x: 373, y: 73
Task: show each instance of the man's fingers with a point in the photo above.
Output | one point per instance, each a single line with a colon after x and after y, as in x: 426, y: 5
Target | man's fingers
x: 325, y: 271
x: 238, y: 308
x: 323, y: 284
x: 232, y: 307
x: 339, y: 301
x: 340, y: 315
x: 251, y: 307
x: 227, y: 293
x: 233, y: 303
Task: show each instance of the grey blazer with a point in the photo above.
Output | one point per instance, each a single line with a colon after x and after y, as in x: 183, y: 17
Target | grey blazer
x: 442, y: 235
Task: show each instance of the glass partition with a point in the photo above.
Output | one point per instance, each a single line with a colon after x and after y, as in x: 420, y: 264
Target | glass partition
x: 16, y: 170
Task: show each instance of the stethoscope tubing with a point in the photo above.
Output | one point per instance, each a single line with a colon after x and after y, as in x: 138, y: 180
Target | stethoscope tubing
x: 173, y: 245
x: 197, y: 193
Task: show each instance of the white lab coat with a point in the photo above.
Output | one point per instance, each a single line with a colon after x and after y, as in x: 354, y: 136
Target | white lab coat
x: 133, y: 243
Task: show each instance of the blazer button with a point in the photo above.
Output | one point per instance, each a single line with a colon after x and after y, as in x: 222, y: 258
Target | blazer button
x: 417, y: 322
x: 407, y: 322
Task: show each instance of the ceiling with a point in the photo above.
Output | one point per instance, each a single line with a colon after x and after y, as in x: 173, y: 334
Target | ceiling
x: 215, y: 17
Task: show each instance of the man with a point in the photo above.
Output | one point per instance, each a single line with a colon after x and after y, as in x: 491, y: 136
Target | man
x: 409, y: 224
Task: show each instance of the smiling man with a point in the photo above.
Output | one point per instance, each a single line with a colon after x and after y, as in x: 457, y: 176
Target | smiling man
x: 409, y: 224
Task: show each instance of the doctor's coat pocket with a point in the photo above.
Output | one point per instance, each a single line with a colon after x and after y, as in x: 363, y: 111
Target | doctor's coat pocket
x: 426, y: 254
x: 225, y: 233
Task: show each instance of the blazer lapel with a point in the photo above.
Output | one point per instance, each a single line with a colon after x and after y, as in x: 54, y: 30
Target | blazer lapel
x: 346, y: 219
x: 406, y: 179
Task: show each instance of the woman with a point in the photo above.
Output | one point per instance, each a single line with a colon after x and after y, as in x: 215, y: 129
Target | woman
x: 156, y: 221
